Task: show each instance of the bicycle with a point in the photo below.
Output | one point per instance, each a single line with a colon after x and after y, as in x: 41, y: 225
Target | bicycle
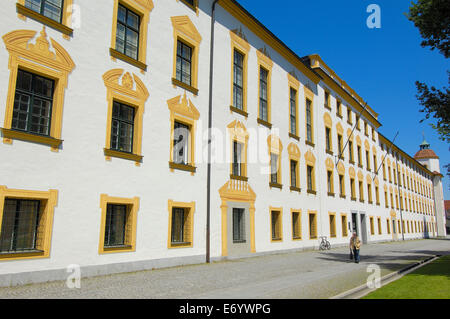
x: 324, y: 244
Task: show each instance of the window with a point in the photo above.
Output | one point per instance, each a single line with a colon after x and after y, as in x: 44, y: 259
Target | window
x: 116, y: 216
x: 276, y: 226
x: 19, y: 225
x: 184, y: 61
x: 330, y: 187
x: 33, y: 103
x: 367, y: 161
x: 129, y: 32
x: 328, y: 139
x: 332, y: 218
x: 293, y: 111
x: 309, y: 174
x: 366, y: 129
x: 327, y: 100
x: 312, y: 219
x: 294, y: 174
x: 54, y: 13
x: 49, y: 8
x: 237, y: 159
x: 181, y: 217
x: 183, y: 119
x: 369, y: 193
x: 349, y: 116
x: 26, y: 219
x: 273, y: 168
x: 352, y: 188
x: 359, y: 156
x: 186, y: 52
x: 263, y: 108
x: 296, y: 225
x: 357, y: 123
x: 350, y: 152
x: 35, y: 97
x: 309, y: 136
x: 238, y: 225
x: 238, y: 80
x: 339, y: 108
x: 122, y: 127
x: 377, y: 195
x: 375, y: 164
x: 118, y: 224
x: 372, y: 228
x: 341, y: 185
x: 125, y: 113
x: 361, y: 191
x: 192, y: 4
x: 340, y: 146
x: 388, y: 226
x: 127, y: 35
x: 344, y: 225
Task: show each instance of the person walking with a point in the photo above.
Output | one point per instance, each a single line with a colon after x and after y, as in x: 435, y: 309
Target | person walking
x: 355, y: 245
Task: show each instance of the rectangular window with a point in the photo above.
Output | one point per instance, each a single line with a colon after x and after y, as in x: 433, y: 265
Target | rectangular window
x: 349, y: 115
x: 263, y: 112
x: 294, y: 173
x: 237, y: 159
x: 352, y: 188
x: 293, y: 111
x: 273, y: 168
x: 339, y: 108
x: 181, y: 143
x: 49, y: 8
x: 361, y: 191
x: 330, y: 182
x: 340, y: 145
x: 379, y: 225
x: 296, y: 225
x: 181, y: 228
x: 328, y: 139
x: 350, y: 151
x: 20, y: 223
x: 344, y: 225
x: 115, y: 225
x: 369, y: 193
x: 332, y: 226
x: 127, y: 35
x: 276, y: 225
x: 184, y: 63
x: 372, y: 228
x: 33, y: 103
x: 341, y: 185
x: 238, y: 80
x: 388, y: 226
x: 359, y: 155
x: 327, y: 100
x: 308, y: 121
x: 367, y: 161
x: 238, y: 225
x: 312, y: 226
x: 309, y: 173
x: 122, y: 127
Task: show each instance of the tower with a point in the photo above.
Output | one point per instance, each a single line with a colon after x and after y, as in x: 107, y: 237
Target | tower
x: 428, y: 158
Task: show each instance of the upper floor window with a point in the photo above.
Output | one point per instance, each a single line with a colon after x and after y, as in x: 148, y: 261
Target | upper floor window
x: 327, y: 100
x: 237, y: 159
x: 293, y: 111
x: 263, y: 112
x: 127, y: 35
x: 308, y: 121
x: 181, y: 143
x: 49, y: 8
x: 184, y: 62
x: 273, y: 168
x: 32, y: 103
x: 238, y: 80
x: 122, y: 127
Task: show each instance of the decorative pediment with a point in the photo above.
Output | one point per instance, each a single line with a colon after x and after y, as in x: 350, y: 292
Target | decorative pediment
x: 182, y: 106
x: 358, y: 140
x: 329, y: 164
x: 147, y: 4
x: 125, y: 84
x: 351, y: 172
x: 360, y: 175
x: 349, y: 132
x: 339, y: 129
x: 18, y: 43
x: 374, y: 150
x: 185, y: 26
x: 327, y: 120
x: 393, y: 214
x: 238, y: 131
x: 264, y: 58
x: 293, y: 80
x: 294, y: 151
x: 367, y: 145
x: 310, y: 159
x: 368, y: 179
x: 376, y: 182
x: 238, y: 37
x: 274, y: 144
x: 341, y: 168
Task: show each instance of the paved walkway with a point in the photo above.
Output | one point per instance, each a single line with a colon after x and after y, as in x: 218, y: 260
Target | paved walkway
x: 311, y: 274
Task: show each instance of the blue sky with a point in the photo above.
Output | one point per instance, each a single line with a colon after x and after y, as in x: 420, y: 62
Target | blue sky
x: 381, y: 65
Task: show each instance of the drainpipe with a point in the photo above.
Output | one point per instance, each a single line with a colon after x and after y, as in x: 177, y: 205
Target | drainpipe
x: 208, y: 178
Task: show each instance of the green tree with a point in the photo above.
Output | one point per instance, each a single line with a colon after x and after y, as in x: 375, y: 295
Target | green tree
x: 432, y: 18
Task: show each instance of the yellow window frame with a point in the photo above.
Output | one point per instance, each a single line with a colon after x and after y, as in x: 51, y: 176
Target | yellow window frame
x: 188, y: 226
x: 240, y: 44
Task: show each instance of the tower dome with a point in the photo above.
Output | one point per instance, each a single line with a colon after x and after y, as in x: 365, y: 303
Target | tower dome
x: 425, y: 152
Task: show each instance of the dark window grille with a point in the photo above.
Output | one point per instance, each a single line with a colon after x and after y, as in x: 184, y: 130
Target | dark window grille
x: 181, y: 143
x: 237, y: 159
x: 263, y: 113
x: 122, y: 128
x: 293, y: 111
x: 184, y: 63
x: 238, y: 80
x: 52, y: 9
x: 127, y: 35
x: 308, y: 121
x: 238, y: 225
x: 273, y: 168
x: 293, y: 173
x: 178, y: 225
x: 116, y: 219
x: 33, y: 103
x: 19, y: 225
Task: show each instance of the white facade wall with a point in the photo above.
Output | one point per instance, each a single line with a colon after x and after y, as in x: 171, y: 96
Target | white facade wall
x: 80, y: 172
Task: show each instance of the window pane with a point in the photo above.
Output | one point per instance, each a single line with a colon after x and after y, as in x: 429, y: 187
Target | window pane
x: 122, y: 13
x: 34, y: 5
x: 178, y: 220
x: 181, y: 146
x: 52, y: 9
x: 273, y: 168
x: 238, y: 225
x: 133, y: 20
x: 115, y: 225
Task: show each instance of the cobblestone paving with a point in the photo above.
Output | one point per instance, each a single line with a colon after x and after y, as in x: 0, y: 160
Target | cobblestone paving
x: 310, y: 274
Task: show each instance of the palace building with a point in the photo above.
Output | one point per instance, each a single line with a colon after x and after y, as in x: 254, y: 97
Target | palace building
x: 105, y: 143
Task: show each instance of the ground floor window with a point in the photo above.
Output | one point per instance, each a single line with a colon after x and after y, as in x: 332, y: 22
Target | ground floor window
x: 238, y: 225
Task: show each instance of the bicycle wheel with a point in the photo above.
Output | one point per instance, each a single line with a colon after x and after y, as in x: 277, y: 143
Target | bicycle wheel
x: 322, y: 246
x: 328, y: 245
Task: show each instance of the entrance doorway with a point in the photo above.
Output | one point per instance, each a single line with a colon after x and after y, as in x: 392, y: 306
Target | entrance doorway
x: 363, y: 229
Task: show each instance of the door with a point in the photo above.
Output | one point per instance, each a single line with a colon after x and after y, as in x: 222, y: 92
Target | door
x: 354, y: 228
x: 363, y: 229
